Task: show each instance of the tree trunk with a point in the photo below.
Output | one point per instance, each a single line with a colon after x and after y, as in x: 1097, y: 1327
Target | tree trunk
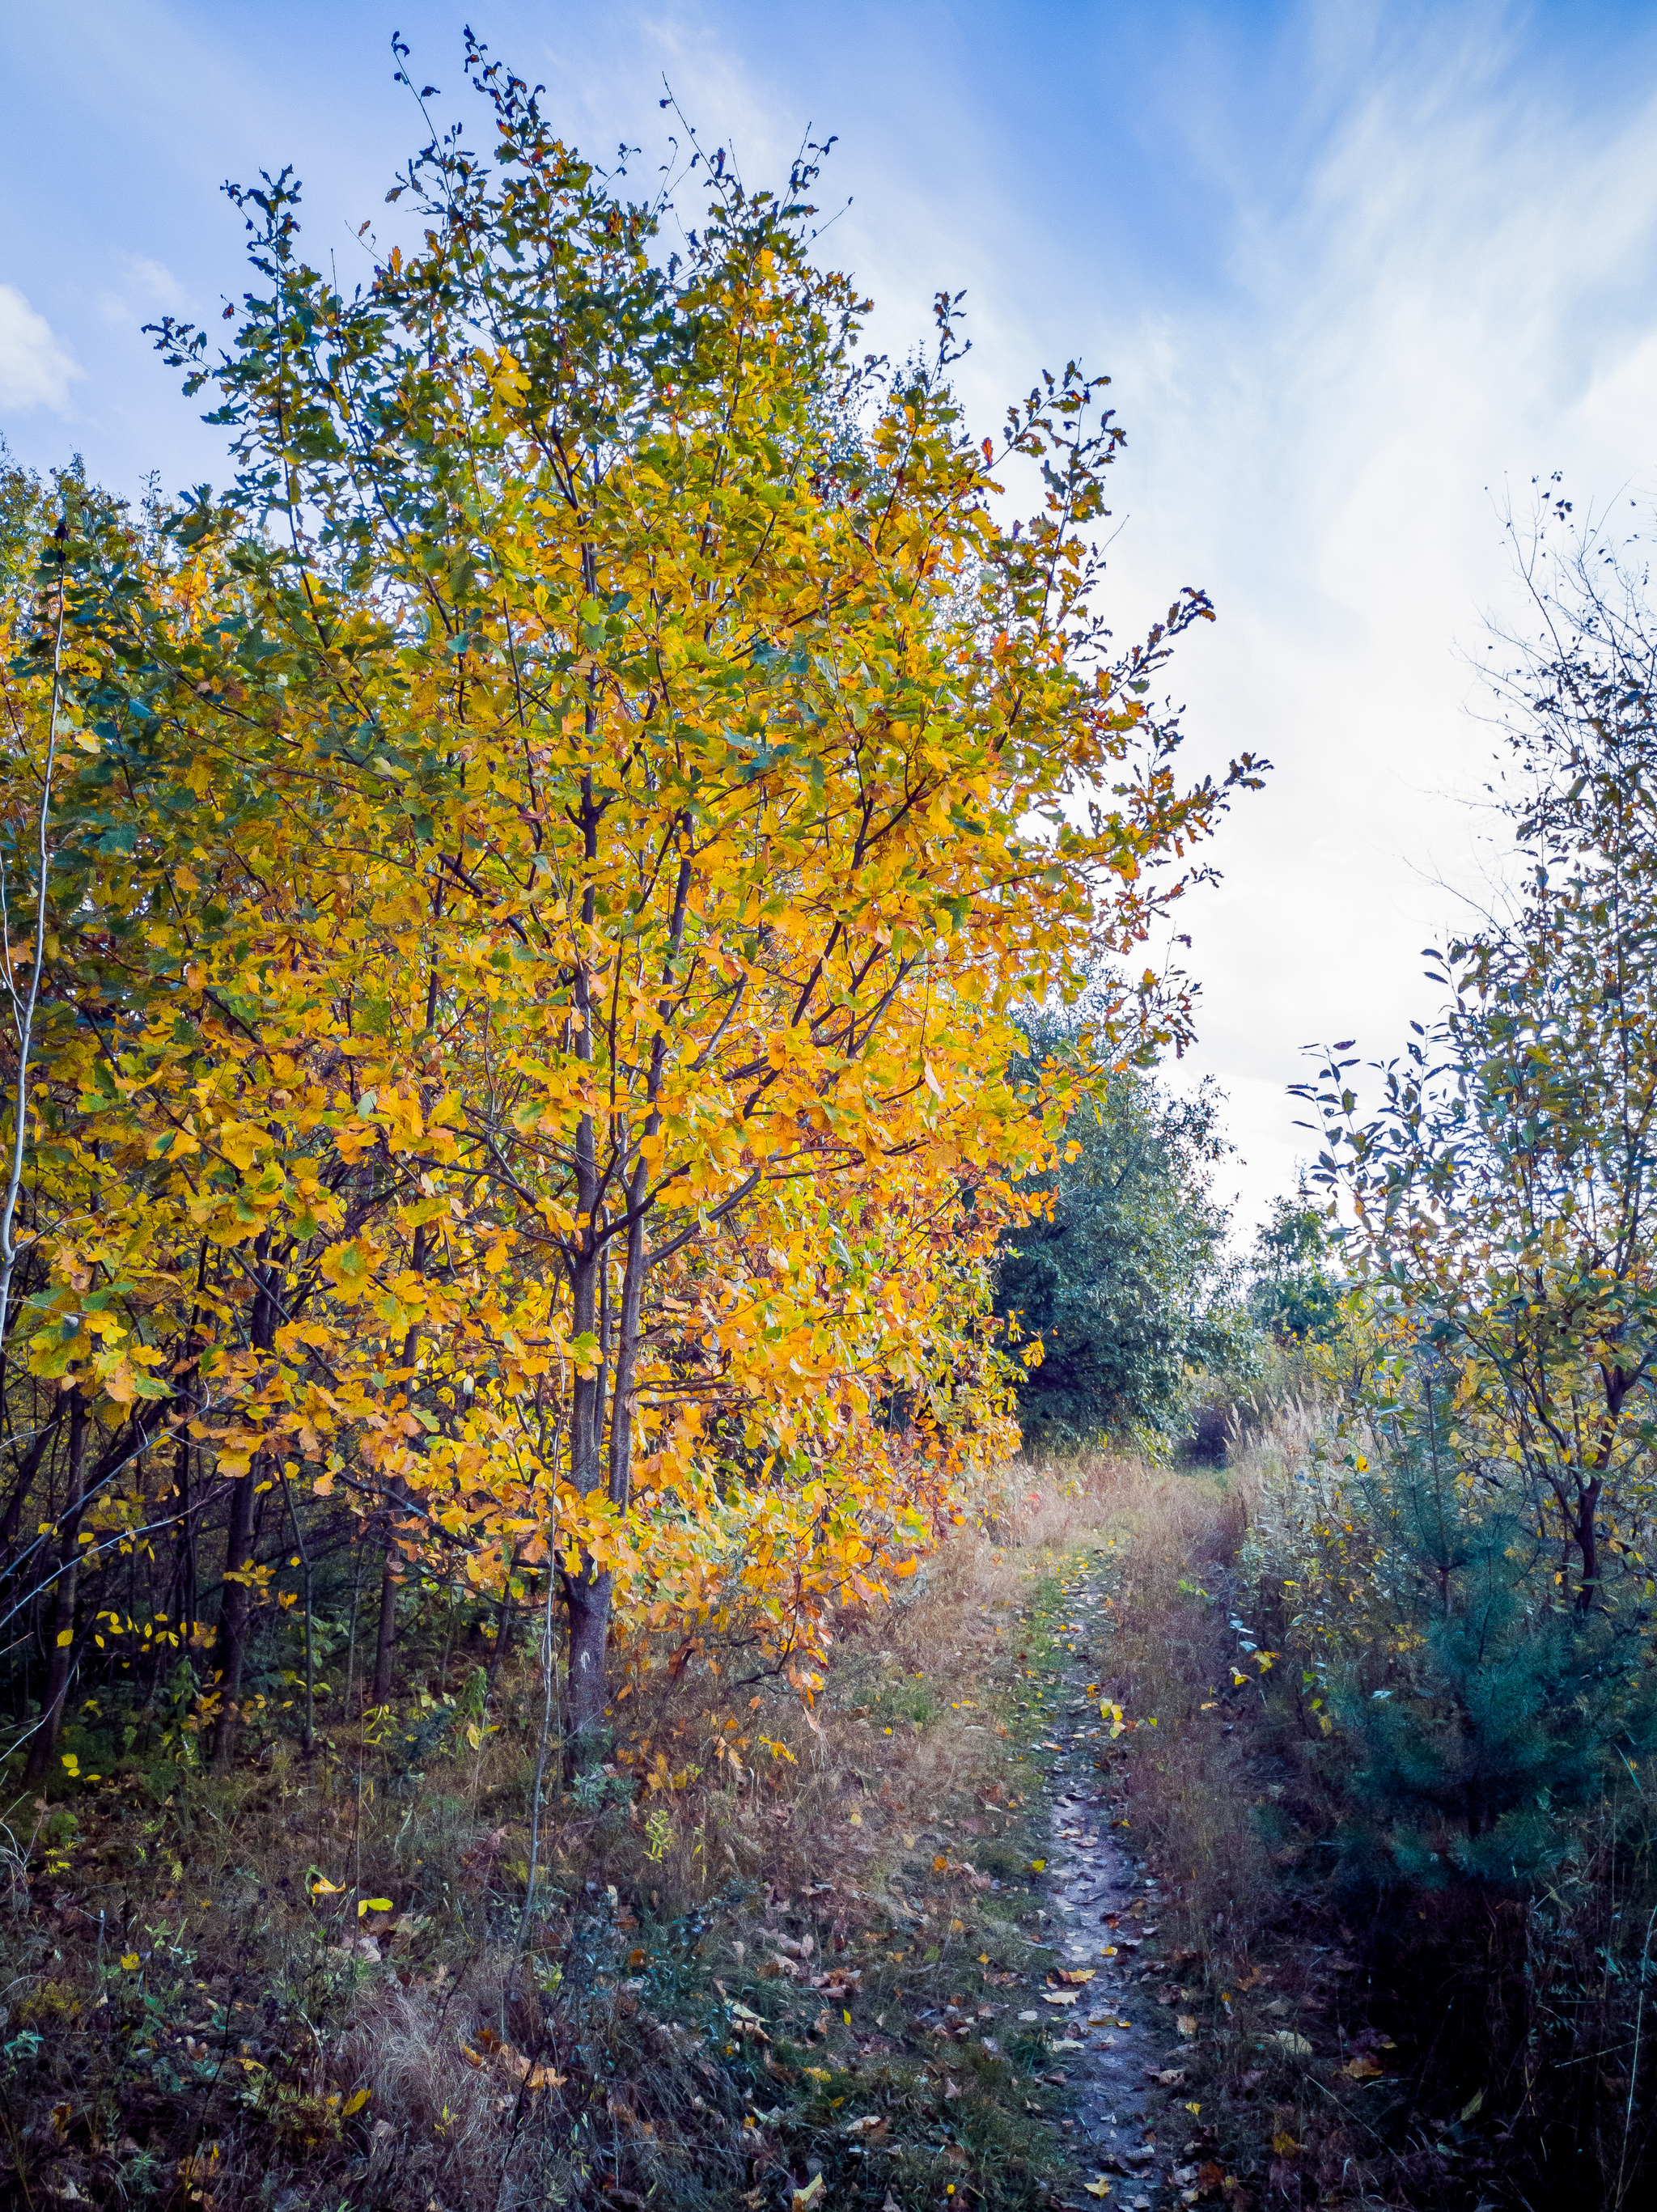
x: 237, y: 1610
x: 350, y: 1634
x: 587, y: 1599
x: 183, y: 1573
x: 235, y: 1613
x: 386, y: 1639
x: 60, y: 1629
x: 1588, y: 1542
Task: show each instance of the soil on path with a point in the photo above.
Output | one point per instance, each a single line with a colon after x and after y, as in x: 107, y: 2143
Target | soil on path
x: 1116, y: 2039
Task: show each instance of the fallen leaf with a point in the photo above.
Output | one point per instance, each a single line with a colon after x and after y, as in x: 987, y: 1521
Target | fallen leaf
x: 1187, y: 2024
x: 1284, y: 2144
x: 808, y: 2199
x: 1061, y: 1997
x: 1292, y: 2045
x: 1361, y: 2069
x: 1100, y: 2188
x: 1076, y: 1974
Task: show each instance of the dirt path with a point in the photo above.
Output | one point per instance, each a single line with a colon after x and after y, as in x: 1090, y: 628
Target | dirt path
x: 1117, y: 2037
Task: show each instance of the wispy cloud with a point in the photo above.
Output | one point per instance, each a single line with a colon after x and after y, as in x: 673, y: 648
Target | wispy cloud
x: 1455, y: 294
x: 144, y: 287
x: 36, y: 368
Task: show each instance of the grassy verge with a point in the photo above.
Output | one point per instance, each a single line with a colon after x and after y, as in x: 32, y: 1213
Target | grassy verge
x: 771, y: 1960
x: 1446, y: 2048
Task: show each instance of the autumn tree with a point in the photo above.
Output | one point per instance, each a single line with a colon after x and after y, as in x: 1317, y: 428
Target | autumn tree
x: 540, y: 890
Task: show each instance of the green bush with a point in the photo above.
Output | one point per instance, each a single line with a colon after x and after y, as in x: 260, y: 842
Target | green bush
x: 1128, y: 1285
x: 1505, y: 1711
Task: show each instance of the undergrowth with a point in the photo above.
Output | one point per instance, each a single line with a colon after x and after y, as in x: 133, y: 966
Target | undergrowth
x: 767, y: 1960
x: 1453, y: 2045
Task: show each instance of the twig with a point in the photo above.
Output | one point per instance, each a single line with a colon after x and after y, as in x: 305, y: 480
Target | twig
x: 1633, y: 2064
x: 547, y: 1672
x: 24, y: 1015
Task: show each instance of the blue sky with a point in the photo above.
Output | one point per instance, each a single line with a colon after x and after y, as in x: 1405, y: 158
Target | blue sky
x: 1354, y: 270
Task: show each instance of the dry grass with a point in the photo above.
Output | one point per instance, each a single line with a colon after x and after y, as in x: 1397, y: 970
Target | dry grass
x: 1452, y: 2048
x: 1207, y: 1796
x: 756, y: 1925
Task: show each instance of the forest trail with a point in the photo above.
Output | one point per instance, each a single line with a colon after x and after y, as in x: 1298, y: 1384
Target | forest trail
x: 1122, y: 2076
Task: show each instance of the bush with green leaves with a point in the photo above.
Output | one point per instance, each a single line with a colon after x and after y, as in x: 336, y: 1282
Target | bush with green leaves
x: 1128, y: 1284
x: 1294, y: 1296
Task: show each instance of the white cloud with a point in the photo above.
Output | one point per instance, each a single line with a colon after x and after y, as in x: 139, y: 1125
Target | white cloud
x: 1453, y: 299
x: 145, y: 286
x: 36, y: 368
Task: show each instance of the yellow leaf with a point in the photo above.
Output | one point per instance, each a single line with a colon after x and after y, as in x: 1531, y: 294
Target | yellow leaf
x: 130, y: 1961
x: 323, y: 1888
x: 374, y: 1905
x: 66, y: 1638
x: 355, y: 2103
x: 1100, y: 2188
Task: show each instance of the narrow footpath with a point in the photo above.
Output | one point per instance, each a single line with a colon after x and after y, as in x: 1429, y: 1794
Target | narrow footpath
x: 1121, y: 2046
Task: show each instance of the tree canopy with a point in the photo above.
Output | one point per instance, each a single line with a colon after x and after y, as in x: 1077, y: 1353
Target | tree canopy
x: 1124, y: 1278
x: 539, y: 877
